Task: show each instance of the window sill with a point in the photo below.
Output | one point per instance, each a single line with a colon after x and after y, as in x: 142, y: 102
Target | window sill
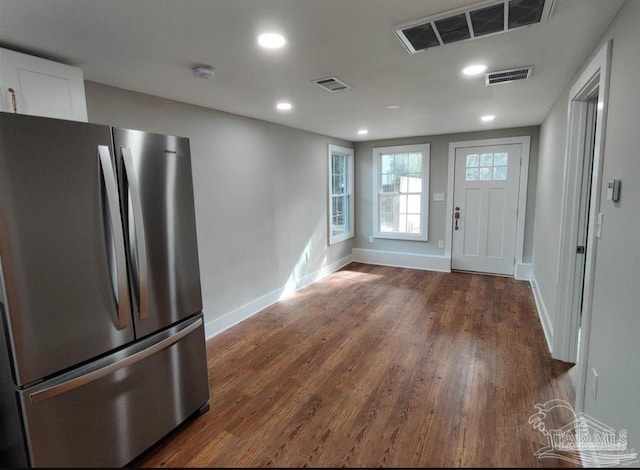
x: 402, y: 236
x: 340, y: 238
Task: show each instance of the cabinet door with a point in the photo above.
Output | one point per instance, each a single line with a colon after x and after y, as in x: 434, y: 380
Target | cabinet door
x: 41, y: 87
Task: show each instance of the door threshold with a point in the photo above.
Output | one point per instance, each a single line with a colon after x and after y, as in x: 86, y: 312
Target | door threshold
x: 481, y: 273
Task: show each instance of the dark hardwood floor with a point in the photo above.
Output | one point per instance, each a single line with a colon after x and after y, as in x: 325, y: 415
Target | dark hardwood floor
x: 378, y: 366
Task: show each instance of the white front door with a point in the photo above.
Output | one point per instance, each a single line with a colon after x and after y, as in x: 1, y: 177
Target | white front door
x: 485, y: 208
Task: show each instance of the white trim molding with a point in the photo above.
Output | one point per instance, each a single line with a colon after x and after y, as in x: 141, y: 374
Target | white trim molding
x: 323, y: 272
x: 593, y: 81
x: 525, y: 142
x: 523, y: 271
x: 543, y: 313
x: 348, y: 153
x: 227, y: 320
x: 402, y: 260
x: 425, y: 151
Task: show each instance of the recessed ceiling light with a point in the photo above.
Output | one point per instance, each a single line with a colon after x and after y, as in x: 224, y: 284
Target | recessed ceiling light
x: 284, y: 106
x: 203, y: 71
x: 487, y: 118
x: 475, y: 69
x: 363, y: 132
x: 393, y: 106
x: 271, y: 40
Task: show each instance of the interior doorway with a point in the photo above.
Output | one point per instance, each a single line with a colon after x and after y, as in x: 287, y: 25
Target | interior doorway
x: 581, y: 221
x: 588, y: 118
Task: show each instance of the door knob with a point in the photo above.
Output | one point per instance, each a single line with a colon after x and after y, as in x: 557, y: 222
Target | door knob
x: 456, y: 216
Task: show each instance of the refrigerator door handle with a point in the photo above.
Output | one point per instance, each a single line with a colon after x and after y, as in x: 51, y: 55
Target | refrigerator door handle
x: 141, y: 249
x: 109, y: 178
x: 85, y: 379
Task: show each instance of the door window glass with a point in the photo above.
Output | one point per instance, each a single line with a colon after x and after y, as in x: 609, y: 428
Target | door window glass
x: 487, y: 166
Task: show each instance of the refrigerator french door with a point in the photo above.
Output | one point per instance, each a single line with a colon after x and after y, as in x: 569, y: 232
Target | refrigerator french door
x: 102, y: 351
x: 160, y: 227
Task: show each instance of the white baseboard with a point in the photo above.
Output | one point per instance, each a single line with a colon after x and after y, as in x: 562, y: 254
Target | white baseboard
x: 324, y: 271
x: 402, y: 260
x: 573, y: 376
x: 523, y: 271
x: 226, y: 321
x: 543, y: 314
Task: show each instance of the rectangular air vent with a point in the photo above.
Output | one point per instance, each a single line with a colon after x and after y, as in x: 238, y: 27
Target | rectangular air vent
x: 478, y: 20
x: 331, y: 84
x: 506, y: 76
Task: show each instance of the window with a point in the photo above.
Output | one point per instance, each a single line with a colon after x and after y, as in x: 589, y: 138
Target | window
x: 401, y: 192
x: 487, y: 167
x: 340, y: 194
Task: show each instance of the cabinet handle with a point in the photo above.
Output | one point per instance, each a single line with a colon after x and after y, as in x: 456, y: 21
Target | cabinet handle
x: 14, y: 101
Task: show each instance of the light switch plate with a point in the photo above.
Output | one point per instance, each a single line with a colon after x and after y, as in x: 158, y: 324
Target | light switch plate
x: 438, y: 196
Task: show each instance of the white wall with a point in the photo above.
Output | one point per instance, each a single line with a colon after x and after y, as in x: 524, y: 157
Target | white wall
x: 615, y: 333
x: 546, y: 232
x: 260, y: 192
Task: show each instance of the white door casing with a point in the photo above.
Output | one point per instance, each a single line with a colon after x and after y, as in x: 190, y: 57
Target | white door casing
x: 593, y: 81
x: 522, y: 270
x: 486, y: 208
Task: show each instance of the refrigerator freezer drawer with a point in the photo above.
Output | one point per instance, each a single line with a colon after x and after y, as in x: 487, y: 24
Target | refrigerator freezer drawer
x: 108, y: 412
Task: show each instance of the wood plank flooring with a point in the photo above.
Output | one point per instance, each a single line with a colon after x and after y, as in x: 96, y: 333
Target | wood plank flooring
x: 378, y: 366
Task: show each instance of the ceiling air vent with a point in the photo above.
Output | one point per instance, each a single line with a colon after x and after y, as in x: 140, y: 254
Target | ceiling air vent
x: 506, y: 76
x: 478, y: 20
x: 331, y: 84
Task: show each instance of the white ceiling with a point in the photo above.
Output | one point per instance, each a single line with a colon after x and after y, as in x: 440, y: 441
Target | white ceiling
x: 150, y: 46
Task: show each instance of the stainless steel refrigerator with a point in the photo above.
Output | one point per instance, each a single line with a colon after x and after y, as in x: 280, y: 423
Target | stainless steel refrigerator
x: 102, y: 351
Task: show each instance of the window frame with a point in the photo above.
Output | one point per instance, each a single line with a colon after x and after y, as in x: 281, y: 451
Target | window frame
x: 348, y: 153
x: 425, y: 150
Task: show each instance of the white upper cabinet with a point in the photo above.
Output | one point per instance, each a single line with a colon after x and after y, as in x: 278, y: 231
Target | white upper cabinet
x: 40, y: 87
